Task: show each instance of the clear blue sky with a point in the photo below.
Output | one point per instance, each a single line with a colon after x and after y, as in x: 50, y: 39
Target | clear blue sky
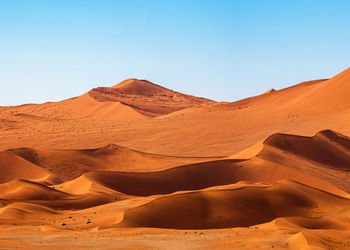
x: 224, y: 50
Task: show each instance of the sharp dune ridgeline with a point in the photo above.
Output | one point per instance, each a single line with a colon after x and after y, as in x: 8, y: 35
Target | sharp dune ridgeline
x: 141, y: 165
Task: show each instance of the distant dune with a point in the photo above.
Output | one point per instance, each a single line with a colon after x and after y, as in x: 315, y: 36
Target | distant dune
x: 202, y: 129
x: 131, y: 99
x: 146, y: 98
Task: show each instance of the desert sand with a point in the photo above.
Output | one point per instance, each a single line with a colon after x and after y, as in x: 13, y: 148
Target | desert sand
x: 139, y: 166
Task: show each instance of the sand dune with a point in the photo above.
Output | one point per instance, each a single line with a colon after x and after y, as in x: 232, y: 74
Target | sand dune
x: 198, y: 176
x: 324, y: 155
x: 146, y: 97
x: 82, y: 107
x: 14, y: 167
x: 244, y: 206
x: 275, y: 159
x: 209, y: 129
x: 128, y: 164
x: 49, y: 197
x: 326, y: 147
x: 20, y: 210
x: 129, y: 100
x: 26, y: 190
x: 70, y: 164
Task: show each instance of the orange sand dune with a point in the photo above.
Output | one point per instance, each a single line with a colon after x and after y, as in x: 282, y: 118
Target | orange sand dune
x: 14, y: 167
x: 49, y: 197
x: 264, y: 172
x: 26, y: 190
x: 321, y: 163
x: 21, y: 210
x: 209, y: 129
x: 240, y: 207
x: 326, y: 148
x: 147, y: 98
x: 324, y: 155
x: 82, y: 107
x: 197, y: 176
x: 130, y: 100
x: 69, y: 164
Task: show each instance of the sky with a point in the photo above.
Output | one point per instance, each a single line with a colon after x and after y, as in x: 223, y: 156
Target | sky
x: 52, y: 50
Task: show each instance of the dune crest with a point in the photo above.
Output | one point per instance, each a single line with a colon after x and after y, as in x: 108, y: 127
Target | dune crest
x: 228, y: 208
x: 130, y: 100
x: 146, y: 97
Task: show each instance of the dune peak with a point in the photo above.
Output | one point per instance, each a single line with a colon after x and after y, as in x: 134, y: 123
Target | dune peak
x: 145, y: 97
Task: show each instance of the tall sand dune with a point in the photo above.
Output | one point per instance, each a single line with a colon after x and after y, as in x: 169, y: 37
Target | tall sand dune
x: 203, y: 128
x: 129, y: 100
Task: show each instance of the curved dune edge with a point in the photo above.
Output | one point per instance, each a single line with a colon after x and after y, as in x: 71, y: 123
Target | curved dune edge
x: 14, y: 167
x: 20, y: 210
x: 64, y: 165
x: 193, y: 177
x: 262, y: 168
x: 130, y: 100
x: 324, y: 156
x: 287, y: 142
x: 240, y: 207
x: 248, y: 195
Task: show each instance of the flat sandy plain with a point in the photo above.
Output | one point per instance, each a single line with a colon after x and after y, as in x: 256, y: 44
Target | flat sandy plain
x: 139, y: 166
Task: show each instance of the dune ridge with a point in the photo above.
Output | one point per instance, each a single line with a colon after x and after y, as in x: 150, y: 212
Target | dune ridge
x: 223, y: 208
x: 130, y: 100
x: 70, y: 164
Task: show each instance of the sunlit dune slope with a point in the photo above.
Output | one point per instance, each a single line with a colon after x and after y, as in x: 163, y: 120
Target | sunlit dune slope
x: 22, y: 210
x: 129, y: 100
x: 14, y: 167
x: 205, y: 129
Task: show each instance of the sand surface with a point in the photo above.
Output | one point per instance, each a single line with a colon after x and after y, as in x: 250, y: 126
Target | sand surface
x: 139, y: 166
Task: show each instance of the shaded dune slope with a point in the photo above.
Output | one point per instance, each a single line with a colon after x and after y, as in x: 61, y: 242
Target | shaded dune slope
x: 70, y: 164
x: 19, y: 191
x: 324, y: 156
x: 199, y: 176
x: 326, y: 147
x: 240, y: 207
x: 275, y: 159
